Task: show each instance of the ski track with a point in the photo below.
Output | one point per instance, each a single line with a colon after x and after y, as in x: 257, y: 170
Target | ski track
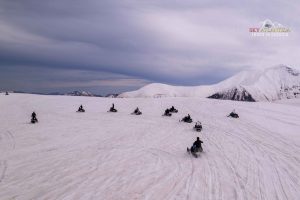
x: 7, y: 144
x: 100, y: 155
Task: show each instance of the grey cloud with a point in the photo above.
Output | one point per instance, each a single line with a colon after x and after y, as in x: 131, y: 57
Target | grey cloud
x: 177, y: 42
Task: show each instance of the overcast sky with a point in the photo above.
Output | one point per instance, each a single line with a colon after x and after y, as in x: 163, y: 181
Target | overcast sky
x: 108, y: 46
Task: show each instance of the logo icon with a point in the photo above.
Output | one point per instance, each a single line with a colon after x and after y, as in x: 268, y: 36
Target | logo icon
x: 268, y: 28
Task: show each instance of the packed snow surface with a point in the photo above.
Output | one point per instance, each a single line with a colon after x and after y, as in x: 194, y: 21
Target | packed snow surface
x: 101, y: 155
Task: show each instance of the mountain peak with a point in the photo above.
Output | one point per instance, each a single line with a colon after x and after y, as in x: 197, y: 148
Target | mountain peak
x: 284, y: 68
x: 270, y: 84
x: 79, y: 93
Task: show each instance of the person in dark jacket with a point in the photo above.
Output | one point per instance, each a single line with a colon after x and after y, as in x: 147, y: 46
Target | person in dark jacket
x: 33, y: 115
x: 187, y: 119
x: 137, y: 110
x: 197, y: 145
x: 80, y: 109
x: 112, y: 108
x: 33, y: 118
x: 167, y: 112
x: 172, y: 108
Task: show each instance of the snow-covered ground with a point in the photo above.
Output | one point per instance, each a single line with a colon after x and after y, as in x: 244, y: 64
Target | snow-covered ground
x: 101, y: 155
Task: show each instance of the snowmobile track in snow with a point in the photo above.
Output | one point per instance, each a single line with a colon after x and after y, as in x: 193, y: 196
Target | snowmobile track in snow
x: 3, y: 168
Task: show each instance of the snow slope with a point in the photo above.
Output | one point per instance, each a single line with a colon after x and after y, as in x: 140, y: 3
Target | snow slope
x: 100, y: 155
x: 279, y: 82
x: 162, y: 90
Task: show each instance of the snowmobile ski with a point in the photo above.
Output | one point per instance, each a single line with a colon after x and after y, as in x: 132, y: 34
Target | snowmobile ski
x: 190, y: 152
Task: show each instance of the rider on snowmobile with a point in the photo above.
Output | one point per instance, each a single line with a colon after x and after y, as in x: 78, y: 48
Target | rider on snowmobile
x: 112, y: 108
x: 167, y: 112
x: 33, y: 116
x: 137, y: 110
x: 197, y: 145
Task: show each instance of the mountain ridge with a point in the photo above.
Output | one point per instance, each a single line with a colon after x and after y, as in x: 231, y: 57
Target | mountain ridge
x: 270, y: 84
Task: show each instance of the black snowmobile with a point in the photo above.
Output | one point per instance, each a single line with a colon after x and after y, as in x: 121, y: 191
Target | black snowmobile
x: 33, y: 118
x: 6, y: 93
x: 33, y: 121
x: 80, y: 109
x: 196, y: 148
x: 167, y: 113
x: 198, y: 126
x: 136, y: 112
x: 233, y: 114
x: 187, y: 119
x: 112, y: 109
x: 173, y: 110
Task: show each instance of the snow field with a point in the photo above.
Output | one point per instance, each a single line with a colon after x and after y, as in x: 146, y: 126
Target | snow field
x: 101, y: 155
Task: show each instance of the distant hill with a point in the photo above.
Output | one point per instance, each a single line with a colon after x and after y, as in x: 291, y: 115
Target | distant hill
x: 112, y: 95
x: 79, y: 93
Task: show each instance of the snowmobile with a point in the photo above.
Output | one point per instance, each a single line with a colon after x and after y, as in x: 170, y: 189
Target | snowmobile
x: 187, y: 119
x: 6, y: 93
x: 136, y: 112
x: 167, y: 113
x: 173, y: 110
x: 80, y: 109
x: 112, y: 109
x: 233, y: 115
x: 194, y: 151
x: 198, y: 126
x: 34, y: 120
x: 196, y: 148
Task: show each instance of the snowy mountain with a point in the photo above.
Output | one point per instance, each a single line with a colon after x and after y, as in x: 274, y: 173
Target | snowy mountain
x: 80, y: 93
x: 280, y: 82
x: 236, y: 94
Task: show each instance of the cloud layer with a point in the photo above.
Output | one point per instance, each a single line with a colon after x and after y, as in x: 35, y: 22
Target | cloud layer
x: 176, y: 42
